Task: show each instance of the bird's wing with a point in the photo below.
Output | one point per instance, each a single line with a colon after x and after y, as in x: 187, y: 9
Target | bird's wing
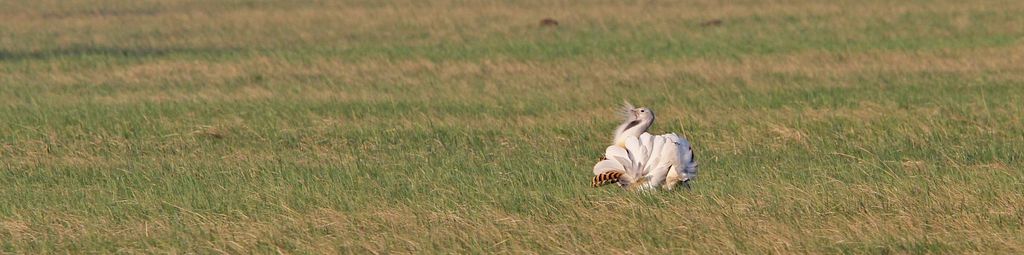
x: 616, y: 152
x: 687, y: 161
x: 666, y: 158
x: 619, y: 155
x: 647, y: 141
x: 655, y: 143
x: 622, y: 160
x: 637, y: 155
x: 608, y: 165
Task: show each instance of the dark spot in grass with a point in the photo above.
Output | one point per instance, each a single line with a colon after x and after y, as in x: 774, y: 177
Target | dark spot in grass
x: 711, y: 23
x: 548, y: 22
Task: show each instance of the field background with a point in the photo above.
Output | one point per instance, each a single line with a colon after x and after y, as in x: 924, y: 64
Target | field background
x: 463, y: 126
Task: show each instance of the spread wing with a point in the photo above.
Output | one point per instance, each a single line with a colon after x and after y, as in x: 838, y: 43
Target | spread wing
x: 655, y: 144
x: 637, y: 155
x: 687, y: 161
x: 616, y: 158
x: 666, y: 156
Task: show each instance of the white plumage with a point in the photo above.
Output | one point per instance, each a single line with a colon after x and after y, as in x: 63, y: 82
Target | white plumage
x: 641, y: 161
x: 636, y: 122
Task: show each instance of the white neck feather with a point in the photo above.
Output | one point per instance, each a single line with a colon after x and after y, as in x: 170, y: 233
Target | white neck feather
x: 626, y: 130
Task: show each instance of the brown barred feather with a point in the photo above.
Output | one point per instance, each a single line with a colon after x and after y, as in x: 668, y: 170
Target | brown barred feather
x: 606, y: 178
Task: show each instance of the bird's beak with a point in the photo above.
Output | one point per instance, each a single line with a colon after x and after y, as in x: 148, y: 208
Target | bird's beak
x: 686, y: 184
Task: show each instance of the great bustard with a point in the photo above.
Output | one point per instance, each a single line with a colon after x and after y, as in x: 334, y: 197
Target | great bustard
x: 638, y: 160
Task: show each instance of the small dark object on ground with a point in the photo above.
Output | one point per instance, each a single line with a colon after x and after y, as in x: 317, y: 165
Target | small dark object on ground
x: 711, y: 23
x: 548, y: 22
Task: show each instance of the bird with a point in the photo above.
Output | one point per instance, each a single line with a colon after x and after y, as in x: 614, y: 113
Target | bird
x: 638, y: 160
x: 647, y: 162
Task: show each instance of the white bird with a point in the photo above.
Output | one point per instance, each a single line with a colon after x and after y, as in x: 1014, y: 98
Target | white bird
x: 641, y: 161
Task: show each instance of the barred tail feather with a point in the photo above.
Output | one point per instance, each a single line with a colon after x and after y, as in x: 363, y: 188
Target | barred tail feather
x: 606, y: 178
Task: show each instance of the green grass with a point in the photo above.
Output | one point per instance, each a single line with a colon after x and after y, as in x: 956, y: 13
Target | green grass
x: 464, y: 127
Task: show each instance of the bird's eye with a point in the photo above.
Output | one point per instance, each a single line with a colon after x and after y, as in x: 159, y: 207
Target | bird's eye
x: 643, y: 110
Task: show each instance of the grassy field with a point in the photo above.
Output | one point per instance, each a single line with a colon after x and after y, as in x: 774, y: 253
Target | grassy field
x: 462, y: 126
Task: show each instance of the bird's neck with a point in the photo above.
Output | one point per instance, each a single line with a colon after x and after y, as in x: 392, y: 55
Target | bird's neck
x: 631, y: 128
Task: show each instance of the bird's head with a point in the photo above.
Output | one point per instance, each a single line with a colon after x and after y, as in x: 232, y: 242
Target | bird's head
x: 643, y: 114
x: 633, y: 113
